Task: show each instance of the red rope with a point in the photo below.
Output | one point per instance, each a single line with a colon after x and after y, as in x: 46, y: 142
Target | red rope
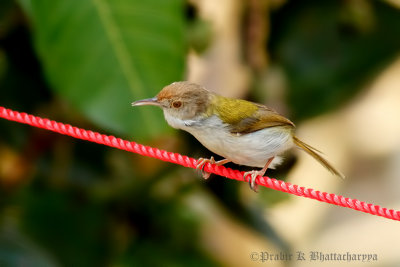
x: 191, y: 163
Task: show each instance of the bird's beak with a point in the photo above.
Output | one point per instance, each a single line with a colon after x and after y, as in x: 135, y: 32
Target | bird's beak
x: 144, y: 102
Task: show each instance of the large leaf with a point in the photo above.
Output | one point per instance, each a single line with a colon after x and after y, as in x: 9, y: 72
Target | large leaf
x: 101, y: 55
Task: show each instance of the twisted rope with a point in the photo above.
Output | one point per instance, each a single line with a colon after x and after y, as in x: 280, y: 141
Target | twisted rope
x: 176, y: 158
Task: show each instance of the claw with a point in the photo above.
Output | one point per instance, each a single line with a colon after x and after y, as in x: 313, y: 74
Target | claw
x: 252, y: 181
x: 201, y: 162
x: 254, y: 174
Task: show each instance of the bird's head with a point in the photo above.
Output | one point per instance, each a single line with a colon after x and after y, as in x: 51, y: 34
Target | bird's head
x: 182, y: 100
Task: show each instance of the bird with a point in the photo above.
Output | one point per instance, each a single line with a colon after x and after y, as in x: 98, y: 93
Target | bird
x: 240, y: 131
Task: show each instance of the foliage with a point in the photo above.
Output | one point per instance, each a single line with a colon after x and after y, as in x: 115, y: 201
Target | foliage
x: 104, y: 53
x: 355, y: 40
x: 66, y: 202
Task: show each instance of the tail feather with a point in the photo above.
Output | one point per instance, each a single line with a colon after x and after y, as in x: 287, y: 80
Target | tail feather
x: 314, y: 153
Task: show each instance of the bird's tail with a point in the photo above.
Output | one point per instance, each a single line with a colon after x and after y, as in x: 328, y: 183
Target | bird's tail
x: 315, y: 154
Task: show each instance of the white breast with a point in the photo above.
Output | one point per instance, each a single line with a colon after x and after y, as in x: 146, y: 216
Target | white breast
x: 253, y: 149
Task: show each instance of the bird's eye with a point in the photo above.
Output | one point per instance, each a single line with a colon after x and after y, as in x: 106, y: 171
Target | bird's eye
x: 177, y: 104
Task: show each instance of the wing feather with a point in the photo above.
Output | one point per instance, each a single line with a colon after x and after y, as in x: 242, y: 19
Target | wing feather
x: 263, y: 117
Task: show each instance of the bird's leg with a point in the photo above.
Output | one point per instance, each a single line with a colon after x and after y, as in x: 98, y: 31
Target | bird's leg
x: 201, y: 162
x: 254, y: 174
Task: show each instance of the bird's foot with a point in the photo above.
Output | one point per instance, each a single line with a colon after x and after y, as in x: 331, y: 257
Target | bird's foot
x: 254, y: 174
x: 201, y: 162
x: 252, y: 181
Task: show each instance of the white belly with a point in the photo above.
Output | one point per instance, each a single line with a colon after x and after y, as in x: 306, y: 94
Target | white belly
x: 253, y: 149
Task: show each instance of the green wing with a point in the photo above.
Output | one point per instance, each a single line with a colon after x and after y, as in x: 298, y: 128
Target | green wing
x: 262, y: 118
x: 245, y: 117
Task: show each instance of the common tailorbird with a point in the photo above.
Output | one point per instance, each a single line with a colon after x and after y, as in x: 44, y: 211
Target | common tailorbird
x: 242, y: 132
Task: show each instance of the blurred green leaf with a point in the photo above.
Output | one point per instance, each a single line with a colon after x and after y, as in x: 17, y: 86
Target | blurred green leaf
x: 101, y: 55
x: 5, y: 8
x: 329, y: 48
x: 17, y: 250
x: 199, y: 35
x: 67, y: 225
